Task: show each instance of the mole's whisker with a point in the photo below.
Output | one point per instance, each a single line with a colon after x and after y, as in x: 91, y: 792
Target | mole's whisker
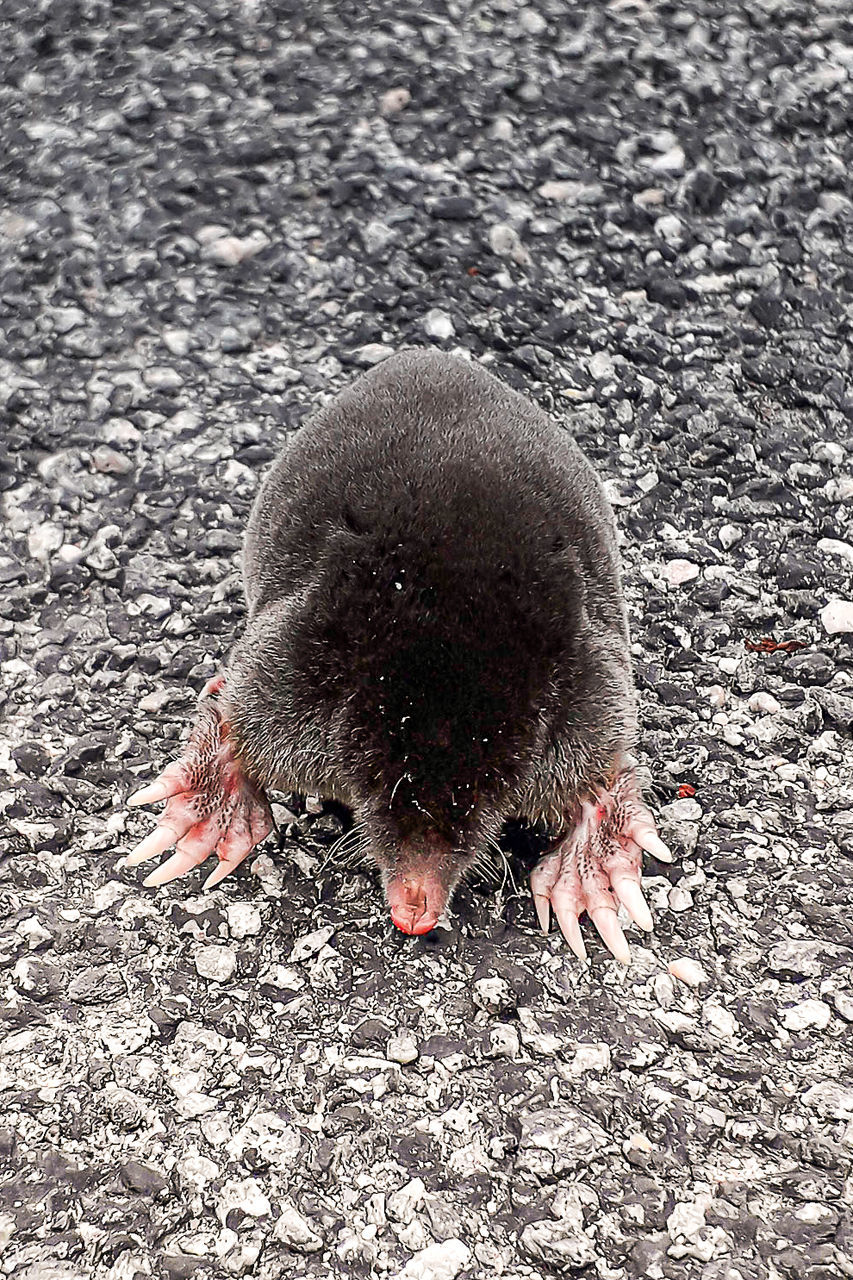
x: 354, y: 855
x: 501, y: 864
x: 351, y: 841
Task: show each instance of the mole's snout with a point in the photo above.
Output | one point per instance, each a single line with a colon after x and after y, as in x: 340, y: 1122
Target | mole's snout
x: 416, y: 902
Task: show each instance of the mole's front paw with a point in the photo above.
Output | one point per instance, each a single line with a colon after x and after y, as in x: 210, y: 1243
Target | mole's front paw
x: 597, y: 866
x: 211, y: 804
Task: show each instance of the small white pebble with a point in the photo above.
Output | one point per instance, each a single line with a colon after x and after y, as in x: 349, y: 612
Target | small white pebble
x: 394, y: 100
x: 438, y: 324
x: 178, y: 341
x: 807, y: 1014
x: 729, y: 535
x: 216, y: 963
x: 839, y: 488
x: 670, y: 228
x: 677, y: 572
x: 491, y: 992
x: 197, y: 1170
x: 843, y: 1005
x: 717, y: 696
x: 828, y: 451
x: 244, y: 920
x: 556, y: 190
x: 832, y: 547
x: 601, y: 366
x: 685, y: 810
x: 162, y: 378
x: 503, y: 1042
x: 284, y: 976
x: 442, y: 1261
x: 401, y: 1049
x: 688, y: 971
x: 680, y: 899
x: 672, y: 161
x: 157, y: 700
x: 296, y: 1231
x: 377, y: 237
x: 246, y: 1195
x: 505, y: 242
x: 403, y: 1203
x: 649, y: 197
x: 502, y: 129
x: 118, y: 431
x: 209, y: 232
x: 373, y: 352
x: 44, y: 539
x: 67, y: 318
x: 594, y: 1056
x: 837, y: 617
x: 154, y: 606
x: 310, y: 943
x: 664, y: 990
x: 532, y: 22
x: 720, y: 1020
x: 228, y: 251
x: 764, y: 703
x: 110, y: 461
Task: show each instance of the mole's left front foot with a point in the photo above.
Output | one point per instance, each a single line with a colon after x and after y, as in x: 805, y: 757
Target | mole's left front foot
x: 212, y: 806
x: 597, y: 866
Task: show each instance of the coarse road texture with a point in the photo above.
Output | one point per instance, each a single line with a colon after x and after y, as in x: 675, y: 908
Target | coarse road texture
x: 212, y: 216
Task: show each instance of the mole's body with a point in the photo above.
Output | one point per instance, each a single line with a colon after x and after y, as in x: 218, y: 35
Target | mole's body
x: 437, y: 638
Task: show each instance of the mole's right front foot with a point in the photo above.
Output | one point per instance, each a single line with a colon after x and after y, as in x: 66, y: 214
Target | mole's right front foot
x: 212, y: 806
x: 596, y: 867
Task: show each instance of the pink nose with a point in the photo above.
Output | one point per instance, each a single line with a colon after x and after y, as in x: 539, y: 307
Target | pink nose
x: 413, y: 919
x: 416, y: 903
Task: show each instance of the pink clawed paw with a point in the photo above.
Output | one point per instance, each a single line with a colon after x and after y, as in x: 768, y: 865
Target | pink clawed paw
x: 596, y: 868
x: 211, y: 805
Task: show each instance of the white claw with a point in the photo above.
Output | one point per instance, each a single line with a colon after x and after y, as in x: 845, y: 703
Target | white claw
x: 219, y: 872
x: 571, y: 930
x: 604, y: 919
x: 149, y: 794
x: 178, y: 865
x: 543, y: 911
x: 650, y: 841
x: 171, y: 782
x: 155, y: 843
x: 630, y: 895
x: 215, y: 876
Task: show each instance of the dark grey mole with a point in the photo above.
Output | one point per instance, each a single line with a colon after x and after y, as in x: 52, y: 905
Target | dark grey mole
x: 437, y: 637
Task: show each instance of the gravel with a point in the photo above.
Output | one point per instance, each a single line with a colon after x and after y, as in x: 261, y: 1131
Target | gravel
x: 214, y: 215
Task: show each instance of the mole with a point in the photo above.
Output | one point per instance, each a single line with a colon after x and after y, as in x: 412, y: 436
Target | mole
x: 437, y: 639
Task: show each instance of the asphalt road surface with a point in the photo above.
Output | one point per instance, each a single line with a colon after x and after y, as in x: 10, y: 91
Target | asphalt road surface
x: 213, y: 215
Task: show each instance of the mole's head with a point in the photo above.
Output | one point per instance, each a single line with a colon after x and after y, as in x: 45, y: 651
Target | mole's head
x: 422, y: 856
